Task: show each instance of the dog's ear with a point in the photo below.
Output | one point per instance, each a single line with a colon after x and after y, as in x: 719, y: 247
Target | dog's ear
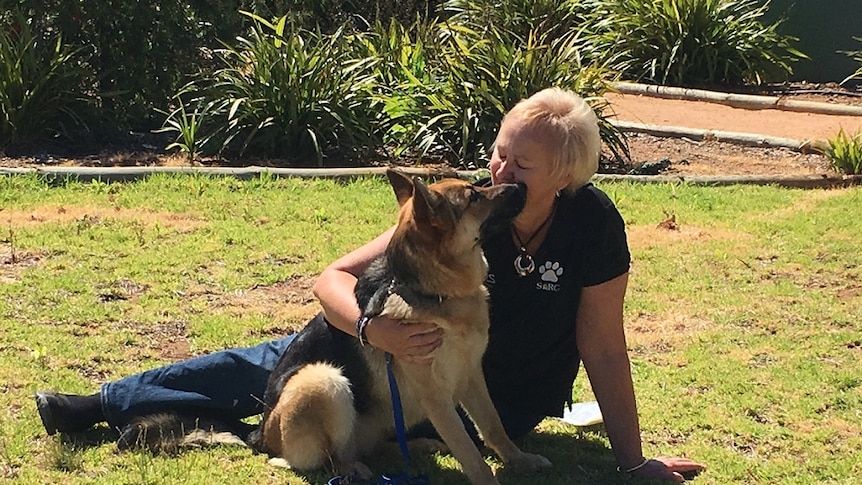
x: 428, y: 207
x: 402, y: 185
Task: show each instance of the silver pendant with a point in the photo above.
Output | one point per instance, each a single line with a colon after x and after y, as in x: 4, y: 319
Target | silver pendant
x: 524, y: 264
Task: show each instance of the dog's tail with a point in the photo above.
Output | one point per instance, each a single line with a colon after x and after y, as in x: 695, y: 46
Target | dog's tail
x: 168, y: 432
x: 313, y: 420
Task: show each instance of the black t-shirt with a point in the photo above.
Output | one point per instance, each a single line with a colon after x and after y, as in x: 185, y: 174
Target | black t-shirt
x: 532, y: 357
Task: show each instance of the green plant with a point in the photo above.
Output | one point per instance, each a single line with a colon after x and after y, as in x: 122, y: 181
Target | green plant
x: 403, y: 57
x: 143, y: 51
x: 692, y: 42
x: 188, y: 126
x: 481, y: 68
x: 857, y: 56
x: 41, y: 81
x: 289, y: 92
x: 844, y: 152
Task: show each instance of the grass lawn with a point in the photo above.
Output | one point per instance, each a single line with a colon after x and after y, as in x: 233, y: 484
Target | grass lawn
x: 743, y: 319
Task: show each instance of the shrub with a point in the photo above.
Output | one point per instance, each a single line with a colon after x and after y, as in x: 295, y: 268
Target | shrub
x: 857, y: 56
x: 693, y: 42
x: 41, y: 78
x: 143, y: 50
x: 482, y: 67
x: 403, y: 62
x: 287, y: 92
x: 844, y: 152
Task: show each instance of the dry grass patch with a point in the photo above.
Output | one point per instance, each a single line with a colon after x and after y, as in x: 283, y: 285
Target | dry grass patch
x: 650, y: 335
x: 647, y: 327
x: 670, y: 232
x: 62, y: 214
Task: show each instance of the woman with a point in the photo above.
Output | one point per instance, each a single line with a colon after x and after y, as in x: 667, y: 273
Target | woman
x: 557, y: 281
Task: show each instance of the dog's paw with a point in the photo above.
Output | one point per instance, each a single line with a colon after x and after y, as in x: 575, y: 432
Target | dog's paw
x: 528, y: 462
x: 279, y: 463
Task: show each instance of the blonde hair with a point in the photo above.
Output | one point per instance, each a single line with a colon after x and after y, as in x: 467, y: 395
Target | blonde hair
x: 574, y: 126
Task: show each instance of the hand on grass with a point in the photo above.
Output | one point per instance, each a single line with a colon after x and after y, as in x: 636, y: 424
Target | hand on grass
x: 407, y: 341
x: 669, y: 468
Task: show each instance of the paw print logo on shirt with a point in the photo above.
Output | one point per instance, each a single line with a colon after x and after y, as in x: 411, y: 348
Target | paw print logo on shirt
x: 551, y: 271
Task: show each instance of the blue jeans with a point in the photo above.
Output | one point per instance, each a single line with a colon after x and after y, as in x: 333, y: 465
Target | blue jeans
x: 228, y: 383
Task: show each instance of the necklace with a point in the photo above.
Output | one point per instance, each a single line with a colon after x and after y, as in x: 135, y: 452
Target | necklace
x: 524, y: 263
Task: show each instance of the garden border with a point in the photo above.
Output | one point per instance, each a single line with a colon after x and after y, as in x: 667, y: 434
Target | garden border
x: 747, y: 101
x: 128, y: 174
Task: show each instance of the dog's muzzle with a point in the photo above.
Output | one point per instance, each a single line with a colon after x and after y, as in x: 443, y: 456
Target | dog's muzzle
x: 512, y: 197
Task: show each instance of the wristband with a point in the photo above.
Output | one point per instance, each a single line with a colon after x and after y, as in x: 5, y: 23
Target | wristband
x: 634, y: 468
x: 361, y: 323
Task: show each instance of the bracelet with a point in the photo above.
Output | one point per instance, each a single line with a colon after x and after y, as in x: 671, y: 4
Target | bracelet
x: 360, y: 329
x: 634, y: 468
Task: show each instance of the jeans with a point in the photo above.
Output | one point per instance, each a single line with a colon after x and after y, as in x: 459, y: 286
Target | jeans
x: 231, y: 383
x: 228, y: 383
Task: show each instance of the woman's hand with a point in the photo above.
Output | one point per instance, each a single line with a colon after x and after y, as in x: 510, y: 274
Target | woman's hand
x: 668, y: 468
x: 407, y: 341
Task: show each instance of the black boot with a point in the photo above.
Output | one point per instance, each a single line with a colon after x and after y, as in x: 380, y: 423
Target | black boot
x: 68, y: 413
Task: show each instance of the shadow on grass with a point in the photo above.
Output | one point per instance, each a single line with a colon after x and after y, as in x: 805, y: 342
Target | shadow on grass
x: 91, y: 438
x: 578, y: 458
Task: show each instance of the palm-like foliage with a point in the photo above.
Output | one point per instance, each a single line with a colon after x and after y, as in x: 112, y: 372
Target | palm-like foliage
x: 285, y: 91
x: 438, y: 88
x: 40, y: 81
x: 483, y: 65
x: 844, y: 152
x: 857, y: 56
x: 691, y: 42
x: 403, y: 58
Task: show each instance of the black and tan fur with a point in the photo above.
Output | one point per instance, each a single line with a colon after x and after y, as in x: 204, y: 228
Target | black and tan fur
x: 328, y: 401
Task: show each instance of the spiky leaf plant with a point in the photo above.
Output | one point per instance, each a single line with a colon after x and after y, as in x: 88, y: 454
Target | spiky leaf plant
x: 693, y: 42
x: 41, y: 81
x: 288, y: 92
x: 483, y: 65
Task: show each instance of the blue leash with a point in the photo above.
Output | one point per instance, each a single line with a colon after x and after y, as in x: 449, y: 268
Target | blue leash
x: 403, y: 478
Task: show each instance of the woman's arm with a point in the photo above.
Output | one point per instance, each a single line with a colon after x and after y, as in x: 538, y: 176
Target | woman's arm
x: 411, y: 342
x: 602, y: 347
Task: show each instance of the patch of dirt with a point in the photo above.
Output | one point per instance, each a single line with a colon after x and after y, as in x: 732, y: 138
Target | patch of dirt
x: 288, y: 304
x: 13, y: 260
x: 648, y: 329
x: 713, y: 116
x: 641, y: 237
x: 169, y: 340
x: 684, y: 157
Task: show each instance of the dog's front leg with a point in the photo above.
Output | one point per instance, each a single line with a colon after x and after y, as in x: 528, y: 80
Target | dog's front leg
x: 477, y: 402
x: 441, y: 411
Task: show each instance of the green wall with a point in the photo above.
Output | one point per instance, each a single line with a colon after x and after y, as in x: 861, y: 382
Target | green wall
x: 822, y: 27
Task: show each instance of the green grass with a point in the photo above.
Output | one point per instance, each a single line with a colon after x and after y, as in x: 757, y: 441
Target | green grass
x: 743, y: 324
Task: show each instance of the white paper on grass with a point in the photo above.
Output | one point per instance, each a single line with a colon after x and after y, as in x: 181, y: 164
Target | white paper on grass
x: 583, y: 414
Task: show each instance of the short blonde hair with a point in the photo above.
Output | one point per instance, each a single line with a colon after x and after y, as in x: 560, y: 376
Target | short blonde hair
x: 572, y: 123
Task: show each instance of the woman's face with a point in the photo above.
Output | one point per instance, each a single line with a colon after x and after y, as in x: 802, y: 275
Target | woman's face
x: 524, y: 153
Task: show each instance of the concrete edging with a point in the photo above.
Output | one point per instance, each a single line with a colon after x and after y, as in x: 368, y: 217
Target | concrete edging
x: 748, y: 101
x: 128, y: 174
x: 746, y: 139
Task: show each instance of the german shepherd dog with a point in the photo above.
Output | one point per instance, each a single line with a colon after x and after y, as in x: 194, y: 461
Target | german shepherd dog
x: 328, y: 401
